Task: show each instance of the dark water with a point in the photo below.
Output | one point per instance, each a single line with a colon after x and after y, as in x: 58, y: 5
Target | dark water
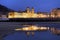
x: 42, y: 35
x: 38, y: 36
x: 18, y: 24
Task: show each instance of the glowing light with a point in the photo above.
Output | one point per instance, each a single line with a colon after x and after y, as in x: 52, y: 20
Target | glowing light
x: 30, y: 14
x: 33, y: 28
x: 44, y: 28
x: 30, y: 28
x: 53, y: 16
x: 26, y: 28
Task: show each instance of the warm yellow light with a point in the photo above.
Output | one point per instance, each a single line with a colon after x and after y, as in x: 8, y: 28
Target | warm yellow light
x: 26, y: 28
x: 44, y: 28
x: 28, y: 15
x: 53, y: 16
x: 31, y: 28
x: 34, y: 28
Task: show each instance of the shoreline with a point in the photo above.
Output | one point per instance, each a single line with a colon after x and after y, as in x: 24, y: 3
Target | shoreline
x: 31, y: 20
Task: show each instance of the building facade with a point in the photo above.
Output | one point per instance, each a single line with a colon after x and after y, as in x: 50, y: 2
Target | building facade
x: 27, y: 14
x: 55, y: 13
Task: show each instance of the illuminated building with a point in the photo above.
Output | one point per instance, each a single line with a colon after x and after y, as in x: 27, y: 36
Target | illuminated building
x: 27, y: 14
x: 55, y: 13
x: 43, y: 14
x: 58, y: 12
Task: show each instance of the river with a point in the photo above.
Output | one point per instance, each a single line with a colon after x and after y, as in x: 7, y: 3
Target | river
x: 43, y: 35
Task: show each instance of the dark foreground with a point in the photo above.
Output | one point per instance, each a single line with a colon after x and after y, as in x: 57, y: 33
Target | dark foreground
x: 32, y: 20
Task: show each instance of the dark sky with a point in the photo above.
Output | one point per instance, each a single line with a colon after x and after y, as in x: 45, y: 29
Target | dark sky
x: 39, y: 5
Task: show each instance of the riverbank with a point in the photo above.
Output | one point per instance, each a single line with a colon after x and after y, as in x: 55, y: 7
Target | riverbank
x: 32, y: 20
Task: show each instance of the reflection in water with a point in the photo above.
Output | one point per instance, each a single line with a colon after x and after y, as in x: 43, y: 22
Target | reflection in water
x: 32, y: 28
x: 38, y: 35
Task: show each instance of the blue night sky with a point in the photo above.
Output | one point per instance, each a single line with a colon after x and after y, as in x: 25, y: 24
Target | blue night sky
x: 39, y: 5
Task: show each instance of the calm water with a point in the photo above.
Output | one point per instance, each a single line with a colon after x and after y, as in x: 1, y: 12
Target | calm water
x: 42, y: 35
